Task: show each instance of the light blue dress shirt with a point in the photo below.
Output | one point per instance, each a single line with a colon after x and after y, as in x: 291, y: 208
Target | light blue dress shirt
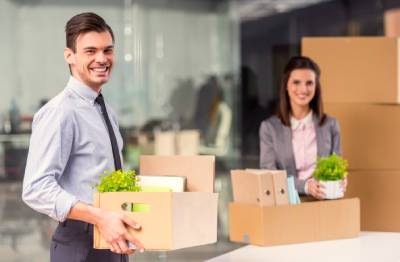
x: 69, y: 148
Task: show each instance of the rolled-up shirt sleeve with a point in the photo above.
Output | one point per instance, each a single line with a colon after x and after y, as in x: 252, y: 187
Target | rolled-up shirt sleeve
x: 49, y: 150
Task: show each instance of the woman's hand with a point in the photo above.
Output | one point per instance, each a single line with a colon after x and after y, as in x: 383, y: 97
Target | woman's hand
x: 343, y: 184
x: 315, y: 189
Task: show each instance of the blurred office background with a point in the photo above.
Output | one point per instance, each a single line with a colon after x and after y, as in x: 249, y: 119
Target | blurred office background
x: 191, y: 77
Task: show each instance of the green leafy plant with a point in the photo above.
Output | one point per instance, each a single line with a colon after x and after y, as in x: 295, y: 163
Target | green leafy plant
x: 331, y: 168
x: 118, y: 181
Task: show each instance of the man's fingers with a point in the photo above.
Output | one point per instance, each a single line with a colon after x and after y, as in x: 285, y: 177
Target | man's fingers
x: 124, y: 247
x: 130, y: 222
x: 130, y: 238
x: 115, y: 248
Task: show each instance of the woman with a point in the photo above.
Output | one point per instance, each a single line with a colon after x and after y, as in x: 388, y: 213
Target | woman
x: 301, y: 131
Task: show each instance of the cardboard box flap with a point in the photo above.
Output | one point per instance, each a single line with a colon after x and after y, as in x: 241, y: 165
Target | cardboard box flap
x: 199, y: 170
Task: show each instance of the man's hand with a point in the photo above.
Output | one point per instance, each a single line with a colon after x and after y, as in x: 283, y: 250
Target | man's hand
x: 315, y: 189
x: 112, y: 226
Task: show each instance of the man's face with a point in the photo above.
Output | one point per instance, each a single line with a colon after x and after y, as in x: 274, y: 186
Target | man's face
x: 93, y: 60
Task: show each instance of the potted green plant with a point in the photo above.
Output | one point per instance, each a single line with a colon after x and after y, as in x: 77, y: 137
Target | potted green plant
x: 330, y: 171
x: 126, y: 181
x: 118, y: 181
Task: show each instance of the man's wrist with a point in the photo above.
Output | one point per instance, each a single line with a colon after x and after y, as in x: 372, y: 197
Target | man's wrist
x: 84, y: 212
x: 95, y: 214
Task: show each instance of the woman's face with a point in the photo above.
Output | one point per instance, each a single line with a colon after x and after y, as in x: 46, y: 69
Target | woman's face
x: 301, y: 87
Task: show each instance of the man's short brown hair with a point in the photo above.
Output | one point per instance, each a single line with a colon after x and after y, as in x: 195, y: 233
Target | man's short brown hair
x: 83, y: 23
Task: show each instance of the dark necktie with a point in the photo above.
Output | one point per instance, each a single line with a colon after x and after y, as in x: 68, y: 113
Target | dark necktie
x: 113, y: 139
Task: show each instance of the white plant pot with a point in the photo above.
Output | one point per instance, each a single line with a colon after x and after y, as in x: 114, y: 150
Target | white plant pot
x: 333, y: 190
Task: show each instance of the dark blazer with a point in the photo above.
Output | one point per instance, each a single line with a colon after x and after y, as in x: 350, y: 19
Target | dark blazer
x: 276, y: 150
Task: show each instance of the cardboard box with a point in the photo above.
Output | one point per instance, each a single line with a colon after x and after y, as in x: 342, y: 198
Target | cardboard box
x: 187, y: 142
x: 164, y: 143
x: 360, y: 69
x: 379, y: 193
x: 370, y: 134
x: 392, y: 22
x: 184, y: 142
x: 172, y: 220
x: 262, y: 187
x: 289, y: 224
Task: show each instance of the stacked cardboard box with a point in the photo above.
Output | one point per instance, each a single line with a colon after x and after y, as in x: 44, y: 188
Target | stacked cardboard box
x: 361, y: 88
x: 261, y: 215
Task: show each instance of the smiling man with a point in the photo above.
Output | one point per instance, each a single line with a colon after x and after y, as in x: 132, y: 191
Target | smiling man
x: 75, y: 138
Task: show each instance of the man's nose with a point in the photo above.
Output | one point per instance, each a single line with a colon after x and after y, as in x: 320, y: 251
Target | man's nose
x: 101, y: 58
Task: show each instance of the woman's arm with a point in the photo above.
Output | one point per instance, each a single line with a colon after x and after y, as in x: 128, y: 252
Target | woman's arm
x: 267, y: 153
x: 336, y: 147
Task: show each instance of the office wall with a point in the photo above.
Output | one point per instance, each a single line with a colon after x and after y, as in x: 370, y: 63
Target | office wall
x: 175, y: 46
x: 39, y: 70
x: 8, y: 23
x: 162, y: 48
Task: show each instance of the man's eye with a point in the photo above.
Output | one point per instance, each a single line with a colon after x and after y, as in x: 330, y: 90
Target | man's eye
x: 108, y: 51
x: 89, y: 52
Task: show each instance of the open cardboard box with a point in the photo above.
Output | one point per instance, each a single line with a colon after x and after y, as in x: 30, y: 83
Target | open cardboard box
x: 172, y: 220
x: 289, y: 224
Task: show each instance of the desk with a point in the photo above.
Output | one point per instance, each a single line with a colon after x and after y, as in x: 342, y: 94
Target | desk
x: 368, y: 247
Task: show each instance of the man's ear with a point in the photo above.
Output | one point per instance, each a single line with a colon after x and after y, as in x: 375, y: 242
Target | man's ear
x: 69, y: 56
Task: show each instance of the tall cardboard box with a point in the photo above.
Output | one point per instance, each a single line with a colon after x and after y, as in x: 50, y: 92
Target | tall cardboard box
x: 172, y: 220
x: 379, y: 194
x: 187, y: 142
x: 369, y: 133
x: 262, y: 187
x: 391, y: 20
x: 289, y: 224
x: 360, y: 69
x: 183, y: 142
x: 164, y: 143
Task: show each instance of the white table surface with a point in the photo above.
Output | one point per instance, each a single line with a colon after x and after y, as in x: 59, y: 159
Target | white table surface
x: 368, y: 247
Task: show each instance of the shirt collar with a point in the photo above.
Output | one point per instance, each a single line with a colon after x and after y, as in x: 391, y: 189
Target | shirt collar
x: 82, y: 90
x: 306, y: 121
